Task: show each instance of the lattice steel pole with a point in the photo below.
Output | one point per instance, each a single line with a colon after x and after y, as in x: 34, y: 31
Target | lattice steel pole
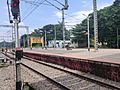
x: 27, y: 36
x: 95, y: 25
x: 54, y: 36
x: 63, y: 28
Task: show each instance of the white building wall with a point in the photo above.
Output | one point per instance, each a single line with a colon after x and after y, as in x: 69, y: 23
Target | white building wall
x: 59, y: 43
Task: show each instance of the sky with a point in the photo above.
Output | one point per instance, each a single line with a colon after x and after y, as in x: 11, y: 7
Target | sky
x: 38, y: 15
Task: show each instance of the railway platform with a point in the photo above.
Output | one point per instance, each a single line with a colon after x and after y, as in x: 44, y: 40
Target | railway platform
x: 104, y: 62
x: 103, y: 55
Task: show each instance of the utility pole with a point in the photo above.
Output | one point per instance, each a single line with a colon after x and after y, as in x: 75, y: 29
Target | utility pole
x: 117, y: 39
x: 24, y: 43
x: 4, y: 44
x: 55, y: 36
x: 13, y: 31
x: 27, y: 36
x: 45, y: 40
x: 95, y: 25
x: 63, y: 27
x: 88, y: 31
x: 65, y: 7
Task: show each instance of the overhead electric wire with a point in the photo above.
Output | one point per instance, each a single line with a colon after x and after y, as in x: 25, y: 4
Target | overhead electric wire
x: 31, y: 6
x: 34, y: 3
x: 71, y: 17
x: 59, y: 2
x: 33, y: 10
x: 52, y: 5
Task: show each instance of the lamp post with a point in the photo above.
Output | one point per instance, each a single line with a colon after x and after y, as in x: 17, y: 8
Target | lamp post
x: 88, y: 30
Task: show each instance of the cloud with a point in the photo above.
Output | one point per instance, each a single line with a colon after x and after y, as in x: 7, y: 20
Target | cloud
x: 103, y: 5
x: 76, y: 18
x: 23, y: 31
x: 84, y: 1
x: 58, y: 14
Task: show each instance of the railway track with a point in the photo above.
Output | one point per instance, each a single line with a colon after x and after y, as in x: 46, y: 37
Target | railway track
x: 62, y: 87
x: 63, y: 78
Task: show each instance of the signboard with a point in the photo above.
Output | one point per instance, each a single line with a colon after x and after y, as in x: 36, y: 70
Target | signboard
x: 36, y: 40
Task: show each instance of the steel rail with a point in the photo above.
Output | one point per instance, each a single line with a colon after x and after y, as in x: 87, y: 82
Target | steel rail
x: 75, y: 74
x: 50, y: 79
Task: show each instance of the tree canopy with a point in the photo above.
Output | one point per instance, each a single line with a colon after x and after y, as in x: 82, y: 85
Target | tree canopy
x: 108, y: 27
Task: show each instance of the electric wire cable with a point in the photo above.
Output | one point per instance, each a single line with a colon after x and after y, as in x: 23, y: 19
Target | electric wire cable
x: 31, y: 6
x: 59, y: 2
x: 32, y: 10
x: 35, y: 3
x: 53, y: 5
x: 72, y: 16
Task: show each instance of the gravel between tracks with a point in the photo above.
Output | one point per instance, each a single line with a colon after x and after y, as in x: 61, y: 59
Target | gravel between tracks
x: 64, y: 78
x: 7, y: 78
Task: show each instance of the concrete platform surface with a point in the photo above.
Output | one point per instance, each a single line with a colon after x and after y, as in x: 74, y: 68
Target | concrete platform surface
x: 103, y: 55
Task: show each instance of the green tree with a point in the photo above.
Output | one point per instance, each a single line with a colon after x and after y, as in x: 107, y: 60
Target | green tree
x: 108, y: 23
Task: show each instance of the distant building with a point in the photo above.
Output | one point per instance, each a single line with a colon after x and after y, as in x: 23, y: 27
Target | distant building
x: 59, y: 43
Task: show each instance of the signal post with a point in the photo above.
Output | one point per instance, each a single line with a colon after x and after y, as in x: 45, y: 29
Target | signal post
x: 16, y: 15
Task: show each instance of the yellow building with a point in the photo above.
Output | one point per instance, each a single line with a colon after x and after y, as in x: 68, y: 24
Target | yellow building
x: 38, y: 40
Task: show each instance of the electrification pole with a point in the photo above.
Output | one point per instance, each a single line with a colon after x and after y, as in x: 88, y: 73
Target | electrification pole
x: 4, y: 43
x: 24, y: 44
x: 65, y: 7
x: 63, y: 21
x: 95, y: 25
x: 117, y: 39
x: 55, y: 36
x: 45, y: 40
x: 88, y: 33
x: 27, y: 36
x: 63, y: 28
